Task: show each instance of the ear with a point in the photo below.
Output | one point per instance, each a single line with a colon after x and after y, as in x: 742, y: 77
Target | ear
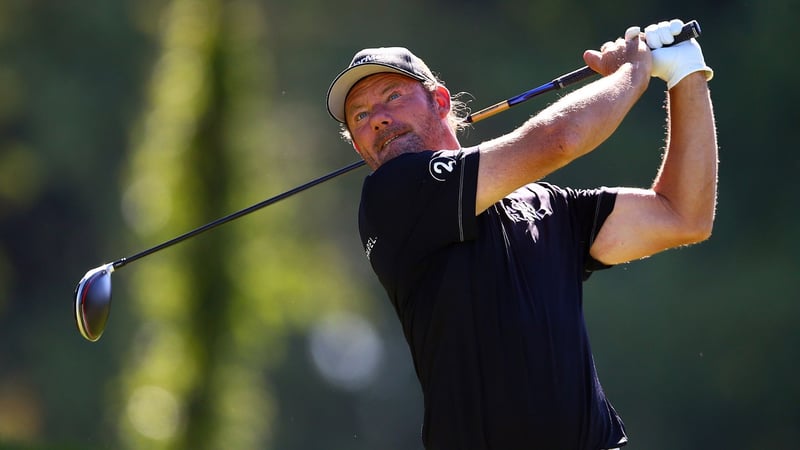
x: 442, y: 97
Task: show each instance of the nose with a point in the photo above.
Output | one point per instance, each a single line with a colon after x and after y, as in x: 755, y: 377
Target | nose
x: 380, y: 119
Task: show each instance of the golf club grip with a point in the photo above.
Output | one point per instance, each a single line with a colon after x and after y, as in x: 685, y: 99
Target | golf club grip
x: 690, y: 30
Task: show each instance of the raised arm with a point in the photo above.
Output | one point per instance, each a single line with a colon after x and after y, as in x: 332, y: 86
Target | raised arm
x: 571, y: 127
x: 679, y: 207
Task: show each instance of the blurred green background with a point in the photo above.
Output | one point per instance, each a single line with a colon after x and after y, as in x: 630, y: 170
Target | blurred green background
x: 124, y: 123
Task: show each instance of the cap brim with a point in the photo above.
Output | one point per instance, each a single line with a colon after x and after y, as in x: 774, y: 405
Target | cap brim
x: 337, y: 93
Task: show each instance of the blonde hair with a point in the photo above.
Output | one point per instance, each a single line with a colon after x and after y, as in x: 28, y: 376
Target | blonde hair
x: 459, y: 110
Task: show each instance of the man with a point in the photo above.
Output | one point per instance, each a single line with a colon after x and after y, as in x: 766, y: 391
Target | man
x: 484, y: 266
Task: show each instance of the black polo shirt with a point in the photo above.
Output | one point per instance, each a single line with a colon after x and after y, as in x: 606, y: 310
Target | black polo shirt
x: 491, y: 305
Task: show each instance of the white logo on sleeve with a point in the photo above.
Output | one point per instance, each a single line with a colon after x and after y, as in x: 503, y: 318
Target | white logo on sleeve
x: 441, y: 166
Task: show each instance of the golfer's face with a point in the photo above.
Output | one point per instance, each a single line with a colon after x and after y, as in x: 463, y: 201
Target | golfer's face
x: 391, y: 114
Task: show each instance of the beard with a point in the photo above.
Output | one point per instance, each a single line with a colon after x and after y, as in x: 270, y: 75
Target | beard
x: 405, y: 141
x: 427, y: 135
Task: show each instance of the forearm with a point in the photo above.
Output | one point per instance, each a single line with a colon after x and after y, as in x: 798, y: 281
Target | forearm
x: 687, y: 179
x: 585, y: 118
x: 566, y: 130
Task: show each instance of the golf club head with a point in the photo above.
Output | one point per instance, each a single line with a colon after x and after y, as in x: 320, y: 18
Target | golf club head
x: 93, y: 302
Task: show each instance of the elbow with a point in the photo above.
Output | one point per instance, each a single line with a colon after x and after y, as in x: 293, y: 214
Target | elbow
x: 703, y: 223
x: 698, y: 235
x: 565, y: 144
x: 572, y: 143
x: 563, y: 139
x: 696, y: 231
x: 690, y: 223
x: 706, y: 228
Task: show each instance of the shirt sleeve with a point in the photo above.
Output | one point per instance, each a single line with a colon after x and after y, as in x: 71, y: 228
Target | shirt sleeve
x: 416, y: 204
x: 593, y: 206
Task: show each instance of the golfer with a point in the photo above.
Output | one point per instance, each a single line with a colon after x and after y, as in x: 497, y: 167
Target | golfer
x: 484, y: 263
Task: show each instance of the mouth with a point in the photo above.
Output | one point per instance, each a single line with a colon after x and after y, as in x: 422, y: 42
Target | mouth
x: 388, y: 142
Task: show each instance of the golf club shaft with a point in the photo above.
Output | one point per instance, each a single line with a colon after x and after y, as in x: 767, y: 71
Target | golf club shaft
x: 222, y: 220
x: 690, y: 30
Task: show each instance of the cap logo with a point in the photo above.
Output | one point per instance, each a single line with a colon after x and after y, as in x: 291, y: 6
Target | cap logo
x: 365, y: 59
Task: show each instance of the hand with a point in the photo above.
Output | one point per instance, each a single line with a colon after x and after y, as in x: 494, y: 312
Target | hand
x: 672, y: 64
x: 614, y: 54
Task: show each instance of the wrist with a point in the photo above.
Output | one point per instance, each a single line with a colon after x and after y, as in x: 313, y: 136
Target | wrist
x: 638, y: 75
x: 700, y: 74
x: 690, y: 81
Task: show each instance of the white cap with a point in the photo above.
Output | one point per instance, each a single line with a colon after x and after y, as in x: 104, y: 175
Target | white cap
x: 369, y: 62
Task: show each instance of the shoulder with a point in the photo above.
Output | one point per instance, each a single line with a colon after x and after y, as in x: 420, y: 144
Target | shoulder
x: 438, y: 162
x: 413, y: 170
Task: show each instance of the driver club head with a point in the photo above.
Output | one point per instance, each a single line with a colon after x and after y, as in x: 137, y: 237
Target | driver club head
x: 93, y: 302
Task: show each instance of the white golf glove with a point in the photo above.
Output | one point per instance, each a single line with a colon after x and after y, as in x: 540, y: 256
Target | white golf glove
x: 672, y: 64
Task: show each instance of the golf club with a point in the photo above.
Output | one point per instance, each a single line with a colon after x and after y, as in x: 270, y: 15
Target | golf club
x: 690, y: 30
x: 93, y: 293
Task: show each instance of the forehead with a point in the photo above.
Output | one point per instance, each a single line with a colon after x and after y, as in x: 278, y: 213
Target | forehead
x: 378, y: 84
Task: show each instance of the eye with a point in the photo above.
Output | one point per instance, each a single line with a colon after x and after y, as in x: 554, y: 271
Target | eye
x: 394, y: 96
x: 360, y: 116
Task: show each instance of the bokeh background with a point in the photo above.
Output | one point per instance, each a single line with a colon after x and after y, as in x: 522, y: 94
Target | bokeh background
x: 124, y: 123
